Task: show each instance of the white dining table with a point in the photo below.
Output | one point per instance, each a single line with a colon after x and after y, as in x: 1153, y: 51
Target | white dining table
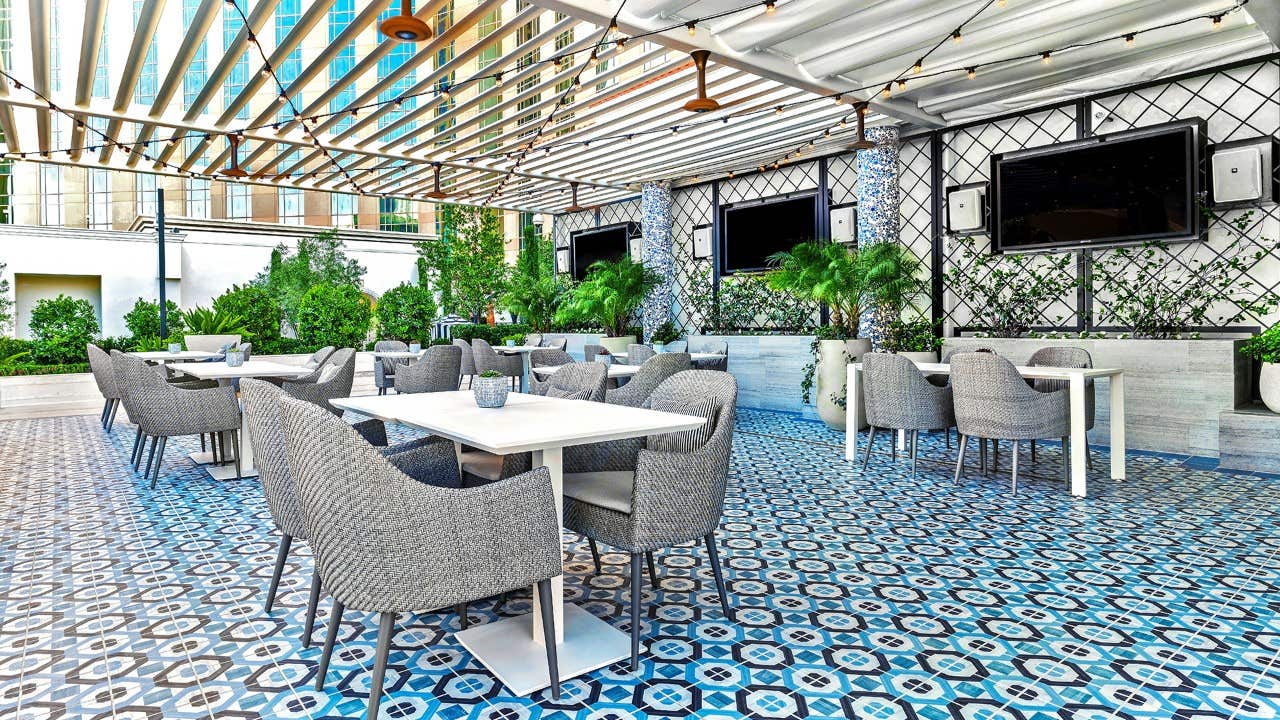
x: 512, y: 648
x: 398, y: 354
x: 524, y: 351
x: 1076, y: 379
x: 164, y: 356
x: 224, y: 374
x: 616, y: 370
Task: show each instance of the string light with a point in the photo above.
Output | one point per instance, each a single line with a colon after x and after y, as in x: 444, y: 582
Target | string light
x: 770, y: 6
x: 1216, y: 21
x: 1129, y: 39
x: 918, y: 67
x: 1046, y: 57
x: 956, y: 36
x: 902, y: 85
x: 972, y: 72
x: 692, y: 27
x: 887, y: 92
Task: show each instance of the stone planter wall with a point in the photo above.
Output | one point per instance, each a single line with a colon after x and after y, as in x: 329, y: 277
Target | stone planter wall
x: 768, y: 369
x: 1175, y: 390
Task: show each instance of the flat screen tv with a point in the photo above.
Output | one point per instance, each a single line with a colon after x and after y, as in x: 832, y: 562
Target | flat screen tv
x: 751, y: 232
x: 604, y: 243
x: 1115, y: 189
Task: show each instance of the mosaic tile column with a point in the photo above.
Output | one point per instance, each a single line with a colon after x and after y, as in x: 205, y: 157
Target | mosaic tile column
x: 878, y: 210
x: 655, y: 229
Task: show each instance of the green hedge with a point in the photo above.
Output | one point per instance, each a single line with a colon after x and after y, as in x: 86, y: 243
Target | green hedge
x: 32, y: 369
x: 491, y: 334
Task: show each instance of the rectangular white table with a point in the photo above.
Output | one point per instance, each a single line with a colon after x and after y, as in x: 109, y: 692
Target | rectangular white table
x: 693, y: 357
x: 512, y: 648
x: 398, y: 354
x: 615, y: 371
x: 164, y: 356
x: 524, y: 351
x: 224, y: 374
x: 1075, y: 378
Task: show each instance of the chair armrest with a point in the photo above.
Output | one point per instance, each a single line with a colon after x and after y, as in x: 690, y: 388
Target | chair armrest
x: 429, y: 460
x: 662, y: 491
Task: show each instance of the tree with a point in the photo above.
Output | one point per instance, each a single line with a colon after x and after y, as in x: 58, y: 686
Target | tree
x: 6, y: 302
x: 534, y: 294
x: 61, y: 327
x: 335, y: 315
x: 260, y: 311
x: 143, y: 321
x: 405, y: 312
x: 317, y: 260
x: 466, y: 263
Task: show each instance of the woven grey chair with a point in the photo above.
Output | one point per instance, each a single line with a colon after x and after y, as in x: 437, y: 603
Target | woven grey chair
x: 555, y: 343
x: 637, y: 353
x: 163, y: 410
x: 386, y: 544
x: 468, y: 361
x: 720, y: 347
x: 579, y: 381
x: 314, y: 363
x: 596, y: 353
x: 898, y: 397
x: 104, y: 375
x: 548, y: 357
x: 310, y: 388
x: 677, y: 346
x: 944, y: 380
x: 533, y: 339
x: 1068, y: 357
x: 431, y: 461
x: 992, y: 401
x: 662, y: 497
x: 651, y: 374
x: 384, y: 369
x: 486, y: 358
x: 438, y: 370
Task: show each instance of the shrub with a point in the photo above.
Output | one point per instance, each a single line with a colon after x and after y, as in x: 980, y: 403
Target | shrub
x: 120, y: 342
x: 665, y: 333
x: 13, y: 350
x: 204, y: 321
x: 144, y: 319
x: 317, y: 260
x: 610, y: 296
x: 335, y: 315
x: 31, y: 369
x: 259, y: 310
x: 6, y: 304
x: 1264, y: 347
x: 491, y: 334
x: 406, y: 312
x: 61, y: 327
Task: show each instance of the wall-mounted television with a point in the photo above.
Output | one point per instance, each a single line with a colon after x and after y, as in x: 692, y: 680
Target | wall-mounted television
x: 752, y: 231
x: 608, y: 243
x: 1121, y: 188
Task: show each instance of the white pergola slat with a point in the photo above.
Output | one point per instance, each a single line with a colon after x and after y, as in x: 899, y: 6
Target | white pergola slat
x: 614, y: 130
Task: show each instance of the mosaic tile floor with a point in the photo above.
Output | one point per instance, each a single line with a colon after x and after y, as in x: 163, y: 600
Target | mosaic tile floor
x: 858, y: 596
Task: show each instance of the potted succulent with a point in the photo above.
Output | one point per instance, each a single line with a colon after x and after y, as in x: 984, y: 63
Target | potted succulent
x: 1266, y: 349
x: 915, y: 340
x: 848, y: 280
x: 609, y: 297
x: 235, y: 356
x: 490, y: 389
x: 513, y: 340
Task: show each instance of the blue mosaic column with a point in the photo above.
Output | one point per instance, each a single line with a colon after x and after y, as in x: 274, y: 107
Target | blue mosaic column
x: 655, y: 229
x: 878, y: 210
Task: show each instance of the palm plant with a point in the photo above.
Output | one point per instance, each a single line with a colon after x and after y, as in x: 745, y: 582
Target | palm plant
x: 846, y: 279
x: 534, y: 293
x: 610, y: 295
x: 203, y: 321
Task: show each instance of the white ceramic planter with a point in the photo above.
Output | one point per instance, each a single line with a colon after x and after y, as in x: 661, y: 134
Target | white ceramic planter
x: 210, y: 343
x: 617, y: 345
x: 1269, y: 386
x: 834, y: 357
x: 921, y: 356
x: 490, y: 392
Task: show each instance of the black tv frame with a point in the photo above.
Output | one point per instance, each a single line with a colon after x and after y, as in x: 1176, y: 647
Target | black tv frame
x: 1197, y: 154
x: 633, y: 231
x: 756, y: 202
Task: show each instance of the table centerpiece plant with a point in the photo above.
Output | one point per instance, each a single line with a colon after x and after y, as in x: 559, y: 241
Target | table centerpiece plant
x: 490, y: 389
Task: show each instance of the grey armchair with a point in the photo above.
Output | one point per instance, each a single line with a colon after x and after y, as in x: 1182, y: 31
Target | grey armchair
x: 661, y: 497
x: 438, y: 370
x: 384, y: 369
x: 596, y: 353
x: 555, y: 343
x: 104, y: 375
x: 1067, y: 357
x: 719, y: 347
x: 486, y: 358
x: 533, y: 339
x: 898, y: 397
x: 430, y: 460
x: 993, y: 401
x: 652, y: 373
x: 386, y: 544
x: 311, y: 389
x: 548, y: 357
x: 468, y: 361
x: 163, y: 410
x: 314, y: 363
x: 637, y: 353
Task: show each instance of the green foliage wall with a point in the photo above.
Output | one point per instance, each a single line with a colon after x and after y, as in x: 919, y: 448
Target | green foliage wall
x: 335, y: 315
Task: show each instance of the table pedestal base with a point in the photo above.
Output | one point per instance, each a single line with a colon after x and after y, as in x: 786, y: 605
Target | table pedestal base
x: 508, y: 649
x: 226, y: 471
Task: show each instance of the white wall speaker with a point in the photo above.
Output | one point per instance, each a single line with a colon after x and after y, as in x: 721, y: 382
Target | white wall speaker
x: 702, y: 242
x: 965, y: 210
x: 844, y: 225
x: 562, y: 261
x: 1239, y: 173
x: 636, y: 246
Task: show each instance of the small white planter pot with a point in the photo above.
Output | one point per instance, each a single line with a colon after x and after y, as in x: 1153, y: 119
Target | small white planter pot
x: 491, y: 392
x: 1269, y: 386
x: 834, y: 357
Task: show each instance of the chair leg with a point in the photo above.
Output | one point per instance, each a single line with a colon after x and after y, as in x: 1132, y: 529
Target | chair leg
x: 635, y: 610
x: 871, y: 441
x: 714, y: 556
x: 995, y: 455
x: 893, y: 445
x: 330, y: 637
x: 202, y: 439
x: 386, y: 628
x: 1015, y: 467
x: 1088, y: 455
x: 102, y: 416
x: 155, y: 474
x: 111, y: 416
x: 312, y: 601
x: 549, y: 636
x: 213, y: 448
x: 461, y: 610
x: 947, y: 432
x: 915, y: 440
x: 964, y: 442
x: 235, y: 449
x: 595, y: 554
x: 282, y: 554
x: 653, y: 573
x: 982, y: 456
x: 1033, y: 451
x: 142, y: 450
x: 137, y: 440
x: 146, y: 471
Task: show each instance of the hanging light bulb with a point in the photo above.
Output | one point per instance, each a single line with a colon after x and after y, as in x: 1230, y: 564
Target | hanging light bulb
x: 574, y: 206
x: 693, y: 28
x: 956, y: 36
x: 234, y: 171
x: 918, y: 67
x: 862, y: 143
x: 436, y: 193
x: 972, y: 72
x: 701, y: 103
x: 613, y: 26
x: 902, y: 85
x: 770, y: 6
x: 1046, y: 57
x: 887, y: 92
x: 1130, y: 39
x: 1216, y: 21
x: 405, y: 27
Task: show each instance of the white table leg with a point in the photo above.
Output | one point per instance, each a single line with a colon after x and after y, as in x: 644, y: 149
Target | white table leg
x: 1079, y: 452
x: 1117, y: 427
x: 853, y: 412
x: 553, y: 460
x: 244, y: 451
x: 525, y: 359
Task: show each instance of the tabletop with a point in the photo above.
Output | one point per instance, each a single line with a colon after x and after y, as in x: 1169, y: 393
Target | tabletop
x: 513, y: 349
x: 398, y: 354
x: 615, y: 371
x: 183, y: 355
x: 250, y: 369
x: 527, y: 422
